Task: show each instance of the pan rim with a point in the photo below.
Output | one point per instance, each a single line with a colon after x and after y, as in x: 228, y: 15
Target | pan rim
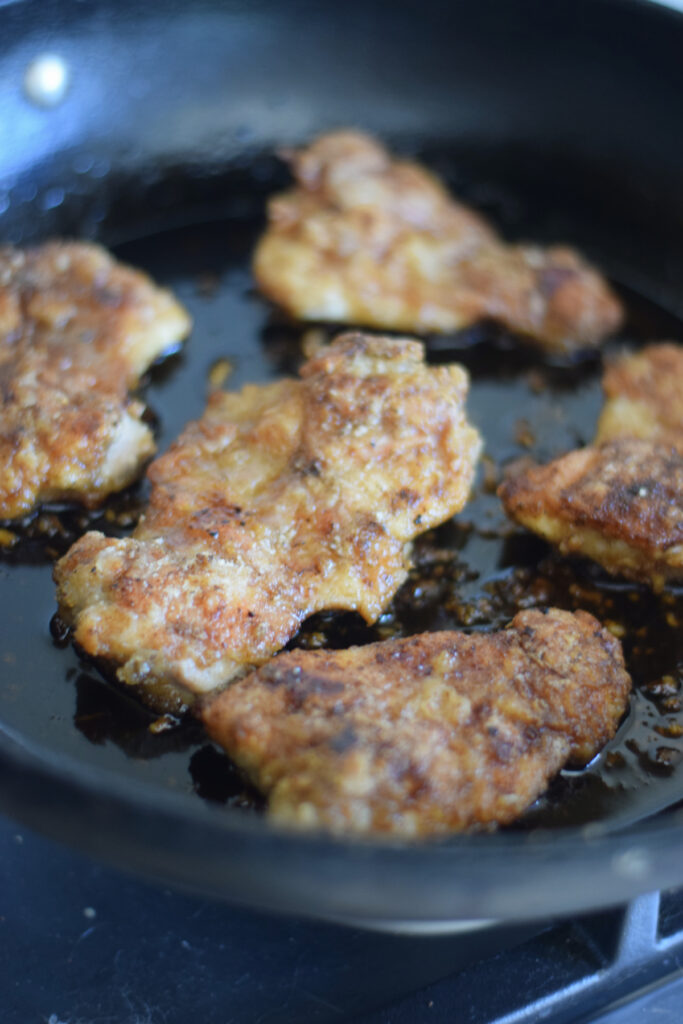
x: 530, y: 875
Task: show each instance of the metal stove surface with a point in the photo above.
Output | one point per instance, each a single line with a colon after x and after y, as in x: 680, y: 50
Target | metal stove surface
x: 84, y: 944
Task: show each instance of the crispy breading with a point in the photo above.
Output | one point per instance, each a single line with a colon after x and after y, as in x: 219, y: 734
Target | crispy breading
x: 77, y: 331
x: 433, y: 733
x: 620, y: 504
x: 644, y: 392
x: 620, y: 501
x: 366, y: 239
x: 283, y: 500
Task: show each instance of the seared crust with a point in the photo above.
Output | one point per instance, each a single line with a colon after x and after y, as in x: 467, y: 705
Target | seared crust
x: 434, y: 733
x: 77, y: 330
x: 620, y: 504
x: 283, y: 500
x: 644, y: 392
x: 366, y: 239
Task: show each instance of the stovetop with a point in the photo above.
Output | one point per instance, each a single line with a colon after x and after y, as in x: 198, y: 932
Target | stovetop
x: 85, y: 944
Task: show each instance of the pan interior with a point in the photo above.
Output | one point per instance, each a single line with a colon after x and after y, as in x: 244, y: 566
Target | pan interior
x: 472, y: 573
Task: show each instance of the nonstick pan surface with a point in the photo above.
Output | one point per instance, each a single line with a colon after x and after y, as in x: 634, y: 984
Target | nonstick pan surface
x: 79, y: 758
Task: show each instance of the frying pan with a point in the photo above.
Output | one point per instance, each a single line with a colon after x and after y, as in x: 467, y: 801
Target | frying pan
x: 156, y: 135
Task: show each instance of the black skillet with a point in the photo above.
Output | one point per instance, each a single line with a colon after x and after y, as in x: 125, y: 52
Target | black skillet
x: 154, y: 132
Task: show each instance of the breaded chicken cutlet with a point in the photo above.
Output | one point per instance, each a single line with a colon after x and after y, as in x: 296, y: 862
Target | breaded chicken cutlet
x: 434, y: 733
x: 366, y: 239
x: 619, y: 501
x: 77, y: 331
x: 284, y: 499
x: 644, y: 392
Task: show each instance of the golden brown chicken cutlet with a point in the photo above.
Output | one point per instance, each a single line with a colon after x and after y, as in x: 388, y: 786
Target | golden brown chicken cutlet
x: 434, y: 733
x: 283, y: 500
x: 77, y: 331
x: 620, y: 504
x: 367, y: 239
x: 644, y: 392
x: 619, y: 501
